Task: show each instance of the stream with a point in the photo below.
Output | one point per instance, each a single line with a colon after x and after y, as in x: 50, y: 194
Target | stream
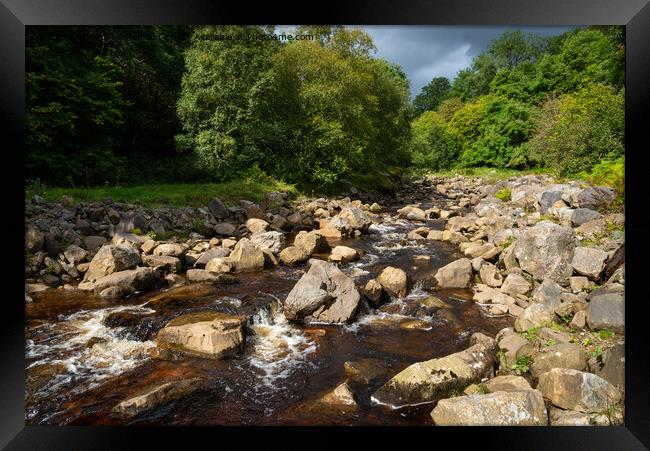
x: 85, y: 354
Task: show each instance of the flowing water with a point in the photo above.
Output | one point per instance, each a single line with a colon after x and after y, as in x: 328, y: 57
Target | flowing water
x: 84, y: 354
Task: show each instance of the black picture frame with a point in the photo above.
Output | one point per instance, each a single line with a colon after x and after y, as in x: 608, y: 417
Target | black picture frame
x: 634, y: 14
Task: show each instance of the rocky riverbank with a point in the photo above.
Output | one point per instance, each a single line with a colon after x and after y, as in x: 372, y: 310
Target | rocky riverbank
x: 549, y: 256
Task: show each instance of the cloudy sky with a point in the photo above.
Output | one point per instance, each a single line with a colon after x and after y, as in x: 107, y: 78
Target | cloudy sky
x: 438, y: 51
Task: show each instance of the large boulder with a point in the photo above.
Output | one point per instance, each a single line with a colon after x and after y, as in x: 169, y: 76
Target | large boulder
x: 128, y: 281
x: 75, y: 254
x: 394, y: 281
x: 610, y: 365
x: 563, y: 355
x: 589, y: 261
x: 111, y: 258
x: 435, y: 379
x: 490, y: 275
x: 323, y: 294
x: 271, y: 241
x: 247, y: 257
x: 514, y: 408
x: 583, y: 215
x: 577, y: 390
x: 595, y: 197
x: 206, y: 334
x: 534, y: 315
x: 607, y: 311
x: 546, y: 250
x: 256, y: 225
x: 311, y: 242
x: 457, y: 274
x: 356, y: 219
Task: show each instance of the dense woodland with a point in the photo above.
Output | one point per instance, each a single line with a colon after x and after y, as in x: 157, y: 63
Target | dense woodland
x: 153, y: 104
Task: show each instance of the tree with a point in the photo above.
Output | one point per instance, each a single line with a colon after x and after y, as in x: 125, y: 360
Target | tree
x: 433, y: 144
x: 577, y: 130
x: 431, y: 95
x: 224, y: 98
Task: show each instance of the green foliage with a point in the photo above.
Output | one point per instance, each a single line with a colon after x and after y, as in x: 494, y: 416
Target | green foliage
x: 504, y: 194
x: 566, y: 318
x: 596, y: 352
x: 523, y: 364
x: 550, y: 342
x: 531, y: 334
x: 433, y: 144
x: 576, y: 131
x: 136, y: 231
x: 431, y: 95
x: 605, y: 334
x: 609, y: 173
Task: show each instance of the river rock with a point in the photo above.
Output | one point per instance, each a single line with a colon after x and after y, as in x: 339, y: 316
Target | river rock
x: 533, y: 316
x: 583, y: 215
x: 436, y: 235
x: 596, y: 197
x: 201, y: 275
x: 351, y: 218
x: 560, y: 417
x: 589, y: 261
x: 457, y: 274
x: 225, y: 229
x: 220, y: 265
x: 607, y: 311
x: 412, y: 213
x: 169, y: 249
x: 578, y: 283
x: 577, y: 390
x: 516, y: 408
x: 247, y: 257
x: 218, y: 209
x: 394, y: 281
x: 311, y: 242
x: 546, y: 250
x: 34, y: 240
x: 215, y: 252
x: 171, y: 264
x: 323, y: 294
x: 547, y: 198
x: 548, y: 293
x: 435, y: 379
x: 272, y: 241
x: 366, y: 370
x: 563, y: 355
x: 75, y: 254
x: 344, y: 254
x: 506, y: 383
x: 374, y: 293
x: 256, y: 225
x: 157, y: 395
x: 111, y: 258
x: 207, y: 334
x: 515, y: 284
x: 130, y: 281
x: 490, y: 275
x: 610, y: 365
x: 293, y: 255
x: 342, y: 395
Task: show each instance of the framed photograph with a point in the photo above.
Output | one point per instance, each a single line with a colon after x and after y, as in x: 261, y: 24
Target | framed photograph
x: 382, y: 218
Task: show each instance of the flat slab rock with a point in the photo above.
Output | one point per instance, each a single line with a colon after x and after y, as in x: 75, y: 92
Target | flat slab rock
x: 207, y: 334
x: 513, y: 408
x: 156, y: 396
x: 434, y: 379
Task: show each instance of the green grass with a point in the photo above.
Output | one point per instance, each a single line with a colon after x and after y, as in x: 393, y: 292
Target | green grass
x: 504, y: 194
x: 523, y: 364
x: 489, y: 174
x: 192, y: 195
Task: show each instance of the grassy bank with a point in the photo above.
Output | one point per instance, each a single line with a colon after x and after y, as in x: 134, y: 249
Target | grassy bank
x: 192, y: 195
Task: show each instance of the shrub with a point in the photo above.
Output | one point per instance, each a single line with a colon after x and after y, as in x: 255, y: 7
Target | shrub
x: 576, y: 131
x: 504, y: 194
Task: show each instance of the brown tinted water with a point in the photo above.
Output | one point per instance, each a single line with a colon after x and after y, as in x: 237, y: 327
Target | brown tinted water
x: 84, y: 354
